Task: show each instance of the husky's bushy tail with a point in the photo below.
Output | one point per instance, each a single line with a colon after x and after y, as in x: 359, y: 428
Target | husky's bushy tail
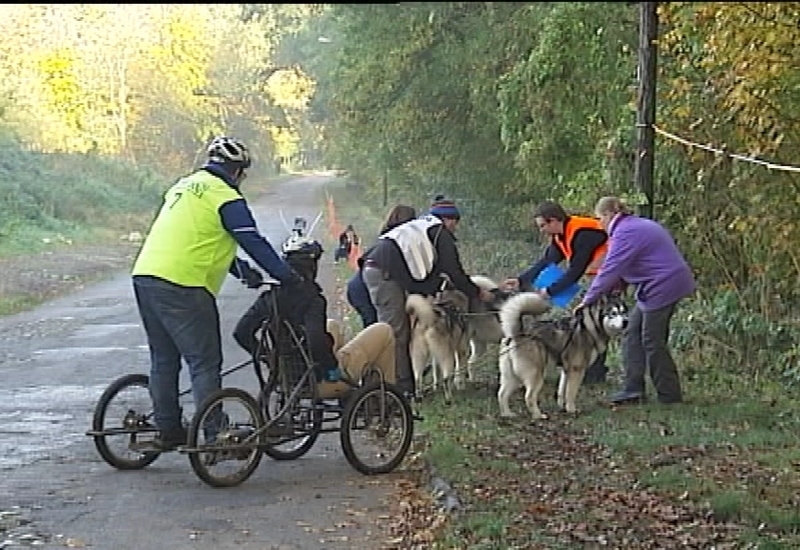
x: 515, y: 307
x: 420, y: 310
x: 484, y: 283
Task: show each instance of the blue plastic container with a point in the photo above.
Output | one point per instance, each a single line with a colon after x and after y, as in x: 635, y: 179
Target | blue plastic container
x: 550, y: 275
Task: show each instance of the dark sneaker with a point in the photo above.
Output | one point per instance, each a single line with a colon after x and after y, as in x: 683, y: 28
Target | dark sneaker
x: 170, y: 440
x: 406, y: 387
x: 627, y: 396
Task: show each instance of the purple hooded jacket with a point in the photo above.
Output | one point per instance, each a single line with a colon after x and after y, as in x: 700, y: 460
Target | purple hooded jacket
x: 641, y: 252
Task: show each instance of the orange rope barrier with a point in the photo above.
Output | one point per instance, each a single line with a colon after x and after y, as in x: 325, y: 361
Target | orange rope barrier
x: 355, y: 254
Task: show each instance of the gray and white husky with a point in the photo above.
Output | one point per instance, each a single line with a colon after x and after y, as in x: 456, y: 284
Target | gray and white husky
x: 445, y: 327
x: 571, y: 343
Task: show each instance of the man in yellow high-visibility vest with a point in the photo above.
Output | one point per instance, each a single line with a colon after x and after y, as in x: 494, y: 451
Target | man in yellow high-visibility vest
x: 179, y: 271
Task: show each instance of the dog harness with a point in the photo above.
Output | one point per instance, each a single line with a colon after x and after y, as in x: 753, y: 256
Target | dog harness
x: 453, y: 316
x: 567, y: 324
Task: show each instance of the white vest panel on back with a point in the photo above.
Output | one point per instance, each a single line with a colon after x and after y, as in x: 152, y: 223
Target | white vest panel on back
x: 415, y: 246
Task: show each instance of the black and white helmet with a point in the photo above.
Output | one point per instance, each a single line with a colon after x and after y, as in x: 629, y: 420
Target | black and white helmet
x: 299, y: 246
x: 302, y: 254
x: 226, y: 150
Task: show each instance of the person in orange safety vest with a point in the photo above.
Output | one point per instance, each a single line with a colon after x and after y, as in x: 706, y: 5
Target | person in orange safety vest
x: 579, y: 240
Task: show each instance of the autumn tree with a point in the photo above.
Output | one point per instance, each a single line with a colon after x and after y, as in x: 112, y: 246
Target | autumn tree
x: 730, y: 80
x: 151, y: 83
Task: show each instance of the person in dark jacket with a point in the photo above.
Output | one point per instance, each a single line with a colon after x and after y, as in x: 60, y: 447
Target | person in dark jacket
x: 357, y: 293
x: 305, y: 307
x: 412, y: 257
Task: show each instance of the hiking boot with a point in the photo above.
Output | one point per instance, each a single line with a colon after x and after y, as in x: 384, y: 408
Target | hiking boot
x: 169, y: 440
x: 627, y: 397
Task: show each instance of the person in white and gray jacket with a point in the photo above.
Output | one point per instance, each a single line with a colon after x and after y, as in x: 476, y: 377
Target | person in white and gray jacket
x: 411, y: 258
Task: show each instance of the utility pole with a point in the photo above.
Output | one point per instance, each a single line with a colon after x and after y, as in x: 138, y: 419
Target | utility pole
x: 646, y: 105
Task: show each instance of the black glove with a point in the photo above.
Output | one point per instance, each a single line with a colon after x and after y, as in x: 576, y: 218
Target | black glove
x: 251, y: 277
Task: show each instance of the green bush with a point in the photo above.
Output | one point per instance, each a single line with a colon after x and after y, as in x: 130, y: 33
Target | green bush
x: 721, y: 332
x: 65, y: 192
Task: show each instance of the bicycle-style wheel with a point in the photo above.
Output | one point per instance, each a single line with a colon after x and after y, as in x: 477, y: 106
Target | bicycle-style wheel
x: 122, y: 426
x: 377, y: 428
x: 223, y: 442
x: 295, y: 433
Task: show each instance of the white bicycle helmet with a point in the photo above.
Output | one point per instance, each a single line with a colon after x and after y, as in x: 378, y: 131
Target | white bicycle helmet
x: 226, y: 150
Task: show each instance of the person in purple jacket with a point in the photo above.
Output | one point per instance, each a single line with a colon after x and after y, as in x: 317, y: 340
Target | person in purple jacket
x: 643, y: 253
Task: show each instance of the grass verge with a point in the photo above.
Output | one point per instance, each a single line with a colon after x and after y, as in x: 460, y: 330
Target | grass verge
x: 717, y: 471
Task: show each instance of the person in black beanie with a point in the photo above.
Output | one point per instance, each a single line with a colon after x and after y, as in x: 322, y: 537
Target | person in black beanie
x: 411, y: 258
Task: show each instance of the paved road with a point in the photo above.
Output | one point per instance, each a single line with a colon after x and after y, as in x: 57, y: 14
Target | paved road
x: 56, y: 492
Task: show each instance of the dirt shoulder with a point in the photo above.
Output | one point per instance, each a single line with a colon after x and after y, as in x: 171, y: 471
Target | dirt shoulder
x: 32, y: 279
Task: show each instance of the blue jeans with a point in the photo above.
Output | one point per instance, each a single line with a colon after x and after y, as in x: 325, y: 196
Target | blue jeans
x: 180, y: 322
x: 358, y: 297
x: 342, y: 253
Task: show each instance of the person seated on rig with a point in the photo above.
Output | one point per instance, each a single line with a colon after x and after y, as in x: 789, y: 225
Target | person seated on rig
x: 337, y: 365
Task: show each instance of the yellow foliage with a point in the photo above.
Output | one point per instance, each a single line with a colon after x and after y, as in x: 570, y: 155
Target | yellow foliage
x: 286, y: 140
x: 64, y: 97
x: 139, y: 80
x: 748, y: 51
x: 291, y: 88
x: 58, y: 71
x: 182, y: 56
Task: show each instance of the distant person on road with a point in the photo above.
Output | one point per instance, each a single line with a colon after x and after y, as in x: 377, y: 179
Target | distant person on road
x: 357, y: 293
x: 347, y: 240
x: 180, y: 269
